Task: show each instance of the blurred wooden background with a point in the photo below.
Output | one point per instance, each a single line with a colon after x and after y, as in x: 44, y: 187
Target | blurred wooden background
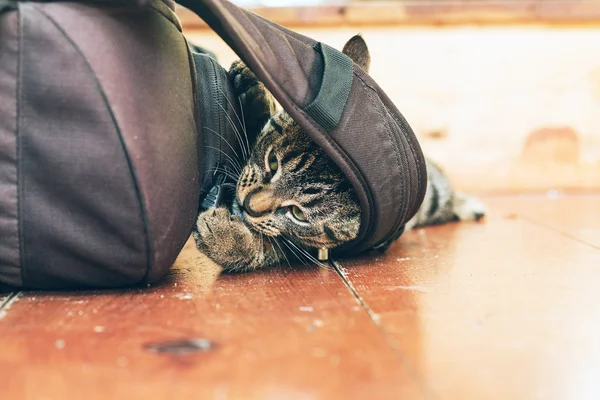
x: 505, y: 95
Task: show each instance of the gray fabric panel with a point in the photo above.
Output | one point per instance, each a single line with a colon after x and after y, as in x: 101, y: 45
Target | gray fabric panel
x: 81, y: 217
x: 141, y: 61
x: 10, y: 271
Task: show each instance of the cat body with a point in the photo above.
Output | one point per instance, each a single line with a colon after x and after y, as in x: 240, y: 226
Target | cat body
x: 290, y: 197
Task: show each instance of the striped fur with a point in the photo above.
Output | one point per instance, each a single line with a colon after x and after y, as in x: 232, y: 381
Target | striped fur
x: 442, y: 204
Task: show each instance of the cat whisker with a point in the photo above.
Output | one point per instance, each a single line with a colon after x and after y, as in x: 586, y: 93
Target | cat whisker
x: 235, y: 166
x: 274, y: 251
x: 231, y: 105
x: 226, y: 170
x: 242, y: 121
x: 262, y: 241
x: 307, y: 254
x: 234, y: 163
x: 262, y: 244
x: 226, y: 173
x: 274, y: 240
x: 225, y: 140
x: 298, y: 256
x: 238, y: 135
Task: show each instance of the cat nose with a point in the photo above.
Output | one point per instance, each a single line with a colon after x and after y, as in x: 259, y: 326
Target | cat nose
x: 258, y: 203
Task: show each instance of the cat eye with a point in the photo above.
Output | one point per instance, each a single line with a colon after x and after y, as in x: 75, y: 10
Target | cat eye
x: 272, y: 162
x: 298, y: 214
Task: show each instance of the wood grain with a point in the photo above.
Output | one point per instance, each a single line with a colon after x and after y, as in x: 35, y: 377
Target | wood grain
x: 577, y: 216
x: 440, y: 12
x: 506, y: 309
x: 283, y: 333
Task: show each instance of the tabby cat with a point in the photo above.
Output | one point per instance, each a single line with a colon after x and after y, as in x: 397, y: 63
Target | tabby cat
x: 291, y: 198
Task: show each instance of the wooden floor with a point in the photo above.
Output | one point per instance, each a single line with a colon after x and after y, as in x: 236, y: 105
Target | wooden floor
x: 505, y: 309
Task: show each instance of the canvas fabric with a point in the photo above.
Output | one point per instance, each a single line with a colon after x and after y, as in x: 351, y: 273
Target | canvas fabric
x: 107, y: 139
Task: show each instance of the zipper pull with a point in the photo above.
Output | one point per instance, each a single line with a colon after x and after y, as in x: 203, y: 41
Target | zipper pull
x: 214, y: 198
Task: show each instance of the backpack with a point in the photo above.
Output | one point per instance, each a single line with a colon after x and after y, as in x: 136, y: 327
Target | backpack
x: 109, y: 131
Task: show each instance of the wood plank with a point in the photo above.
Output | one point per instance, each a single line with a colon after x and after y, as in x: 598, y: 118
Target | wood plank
x: 577, y: 216
x: 505, y: 309
x: 408, y: 12
x: 283, y: 333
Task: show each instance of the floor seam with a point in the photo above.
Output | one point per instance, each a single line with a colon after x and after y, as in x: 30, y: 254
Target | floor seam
x: 429, y: 393
x: 7, y: 302
x: 555, y: 230
x: 373, y: 315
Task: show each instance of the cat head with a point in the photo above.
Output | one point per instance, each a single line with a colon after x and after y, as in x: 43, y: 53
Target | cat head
x: 291, y: 188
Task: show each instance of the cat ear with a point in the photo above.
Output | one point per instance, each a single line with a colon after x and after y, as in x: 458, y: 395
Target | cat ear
x: 356, y: 48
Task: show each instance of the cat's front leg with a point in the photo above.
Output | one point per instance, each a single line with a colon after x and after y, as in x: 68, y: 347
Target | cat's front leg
x: 258, y: 105
x: 225, y: 239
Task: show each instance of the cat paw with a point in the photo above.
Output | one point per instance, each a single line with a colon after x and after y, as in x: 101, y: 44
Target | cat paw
x: 468, y: 208
x: 243, y: 78
x: 257, y: 103
x: 225, y: 239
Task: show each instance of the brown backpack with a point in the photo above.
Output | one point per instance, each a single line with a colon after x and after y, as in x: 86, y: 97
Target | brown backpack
x: 107, y: 134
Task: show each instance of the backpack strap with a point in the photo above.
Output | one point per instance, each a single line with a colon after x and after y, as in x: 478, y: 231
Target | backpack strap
x: 327, y: 108
x: 340, y: 107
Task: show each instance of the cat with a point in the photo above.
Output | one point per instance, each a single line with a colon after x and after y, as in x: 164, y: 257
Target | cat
x: 291, y: 197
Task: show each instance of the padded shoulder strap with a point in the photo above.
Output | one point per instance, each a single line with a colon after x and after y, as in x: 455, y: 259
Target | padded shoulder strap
x: 328, y: 106
x: 340, y: 107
